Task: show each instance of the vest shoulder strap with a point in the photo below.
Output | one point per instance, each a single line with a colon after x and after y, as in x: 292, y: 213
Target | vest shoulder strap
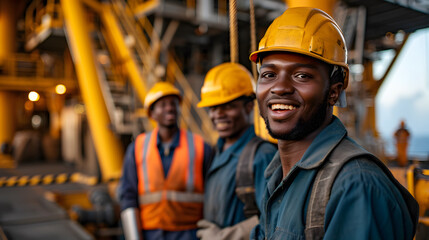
x: 245, y: 187
x: 320, y: 194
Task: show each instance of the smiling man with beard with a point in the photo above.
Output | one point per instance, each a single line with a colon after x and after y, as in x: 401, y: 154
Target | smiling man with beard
x: 162, y: 185
x: 229, y: 212
x: 321, y: 184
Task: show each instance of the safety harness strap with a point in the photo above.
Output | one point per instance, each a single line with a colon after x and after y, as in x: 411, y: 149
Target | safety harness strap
x: 344, y: 152
x: 245, y: 187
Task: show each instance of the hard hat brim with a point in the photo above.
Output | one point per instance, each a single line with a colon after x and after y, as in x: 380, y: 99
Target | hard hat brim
x: 221, y: 101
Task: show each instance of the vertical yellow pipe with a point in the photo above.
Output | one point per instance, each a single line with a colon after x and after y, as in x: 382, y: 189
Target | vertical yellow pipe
x: 7, y: 119
x: 7, y: 46
x: 7, y: 29
x: 55, y: 104
x: 325, y: 5
x: 125, y: 54
x: 107, y: 146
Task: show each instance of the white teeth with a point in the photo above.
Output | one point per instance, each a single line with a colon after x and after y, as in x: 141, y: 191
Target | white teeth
x: 221, y: 125
x: 282, y: 107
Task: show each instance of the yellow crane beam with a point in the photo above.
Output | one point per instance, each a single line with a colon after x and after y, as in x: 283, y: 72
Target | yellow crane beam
x: 107, y: 145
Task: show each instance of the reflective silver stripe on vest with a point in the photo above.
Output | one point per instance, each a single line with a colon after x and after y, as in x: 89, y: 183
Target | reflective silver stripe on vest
x: 145, y: 174
x: 191, y: 150
x: 174, y: 196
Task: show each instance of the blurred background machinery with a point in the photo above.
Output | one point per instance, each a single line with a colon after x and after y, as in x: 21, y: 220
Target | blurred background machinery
x: 74, y: 73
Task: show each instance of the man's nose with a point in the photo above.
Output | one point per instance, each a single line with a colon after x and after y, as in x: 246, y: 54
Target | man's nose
x: 284, y: 85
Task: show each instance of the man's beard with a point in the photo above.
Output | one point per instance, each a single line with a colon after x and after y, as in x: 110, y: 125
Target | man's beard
x: 303, y: 128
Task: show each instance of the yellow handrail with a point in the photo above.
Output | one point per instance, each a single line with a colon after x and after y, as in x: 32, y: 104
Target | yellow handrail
x: 143, y: 33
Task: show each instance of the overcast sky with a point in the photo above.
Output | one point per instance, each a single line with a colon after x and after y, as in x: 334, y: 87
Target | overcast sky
x: 405, y: 92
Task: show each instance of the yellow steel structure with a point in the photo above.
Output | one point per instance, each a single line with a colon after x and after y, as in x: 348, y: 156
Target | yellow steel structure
x: 7, y: 122
x: 107, y: 146
x: 372, y: 86
x: 133, y: 71
x: 419, y: 188
x: 7, y: 119
x: 141, y: 8
x: 7, y: 29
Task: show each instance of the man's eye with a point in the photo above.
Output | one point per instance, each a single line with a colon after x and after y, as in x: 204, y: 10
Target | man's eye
x: 267, y: 75
x: 302, y: 76
x: 228, y: 106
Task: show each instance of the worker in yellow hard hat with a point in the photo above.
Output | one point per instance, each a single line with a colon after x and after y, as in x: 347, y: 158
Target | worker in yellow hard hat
x: 235, y: 179
x: 161, y: 188
x: 321, y: 184
x: 402, y: 136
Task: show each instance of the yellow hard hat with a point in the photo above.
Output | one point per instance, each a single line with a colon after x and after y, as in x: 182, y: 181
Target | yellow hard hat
x: 159, y: 90
x: 225, y: 83
x: 307, y: 31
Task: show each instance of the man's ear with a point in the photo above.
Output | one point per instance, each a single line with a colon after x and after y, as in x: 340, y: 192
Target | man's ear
x: 334, y: 92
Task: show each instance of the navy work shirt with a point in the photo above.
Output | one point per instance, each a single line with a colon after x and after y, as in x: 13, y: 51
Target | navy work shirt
x: 364, y: 203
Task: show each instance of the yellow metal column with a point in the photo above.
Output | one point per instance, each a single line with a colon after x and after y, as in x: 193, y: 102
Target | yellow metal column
x: 7, y: 121
x: 125, y: 54
x: 7, y: 29
x: 55, y: 104
x: 107, y: 146
x: 7, y: 106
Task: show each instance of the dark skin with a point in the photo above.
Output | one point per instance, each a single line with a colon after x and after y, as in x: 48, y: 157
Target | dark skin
x: 165, y: 112
x: 231, y: 120
x: 296, y: 101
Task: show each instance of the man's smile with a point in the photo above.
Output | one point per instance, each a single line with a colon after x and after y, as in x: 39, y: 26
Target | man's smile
x: 221, y: 126
x: 278, y: 106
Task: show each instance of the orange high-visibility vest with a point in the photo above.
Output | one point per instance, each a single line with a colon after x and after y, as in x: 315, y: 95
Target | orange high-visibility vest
x: 174, y: 203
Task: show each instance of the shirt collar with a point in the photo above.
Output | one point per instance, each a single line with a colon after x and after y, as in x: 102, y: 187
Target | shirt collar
x: 249, y: 133
x: 174, y: 143
x: 274, y: 164
x: 323, y: 144
x: 319, y: 149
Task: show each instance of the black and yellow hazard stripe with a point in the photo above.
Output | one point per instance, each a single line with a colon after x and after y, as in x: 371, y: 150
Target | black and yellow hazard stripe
x: 47, y: 179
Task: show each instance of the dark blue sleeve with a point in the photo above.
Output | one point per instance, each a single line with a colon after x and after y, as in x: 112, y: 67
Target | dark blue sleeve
x: 263, y: 157
x: 208, y: 157
x: 365, y: 204
x: 257, y: 233
x: 128, y: 185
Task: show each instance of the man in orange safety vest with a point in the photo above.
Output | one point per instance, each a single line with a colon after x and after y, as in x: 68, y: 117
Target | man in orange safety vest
x: 161, y: 189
